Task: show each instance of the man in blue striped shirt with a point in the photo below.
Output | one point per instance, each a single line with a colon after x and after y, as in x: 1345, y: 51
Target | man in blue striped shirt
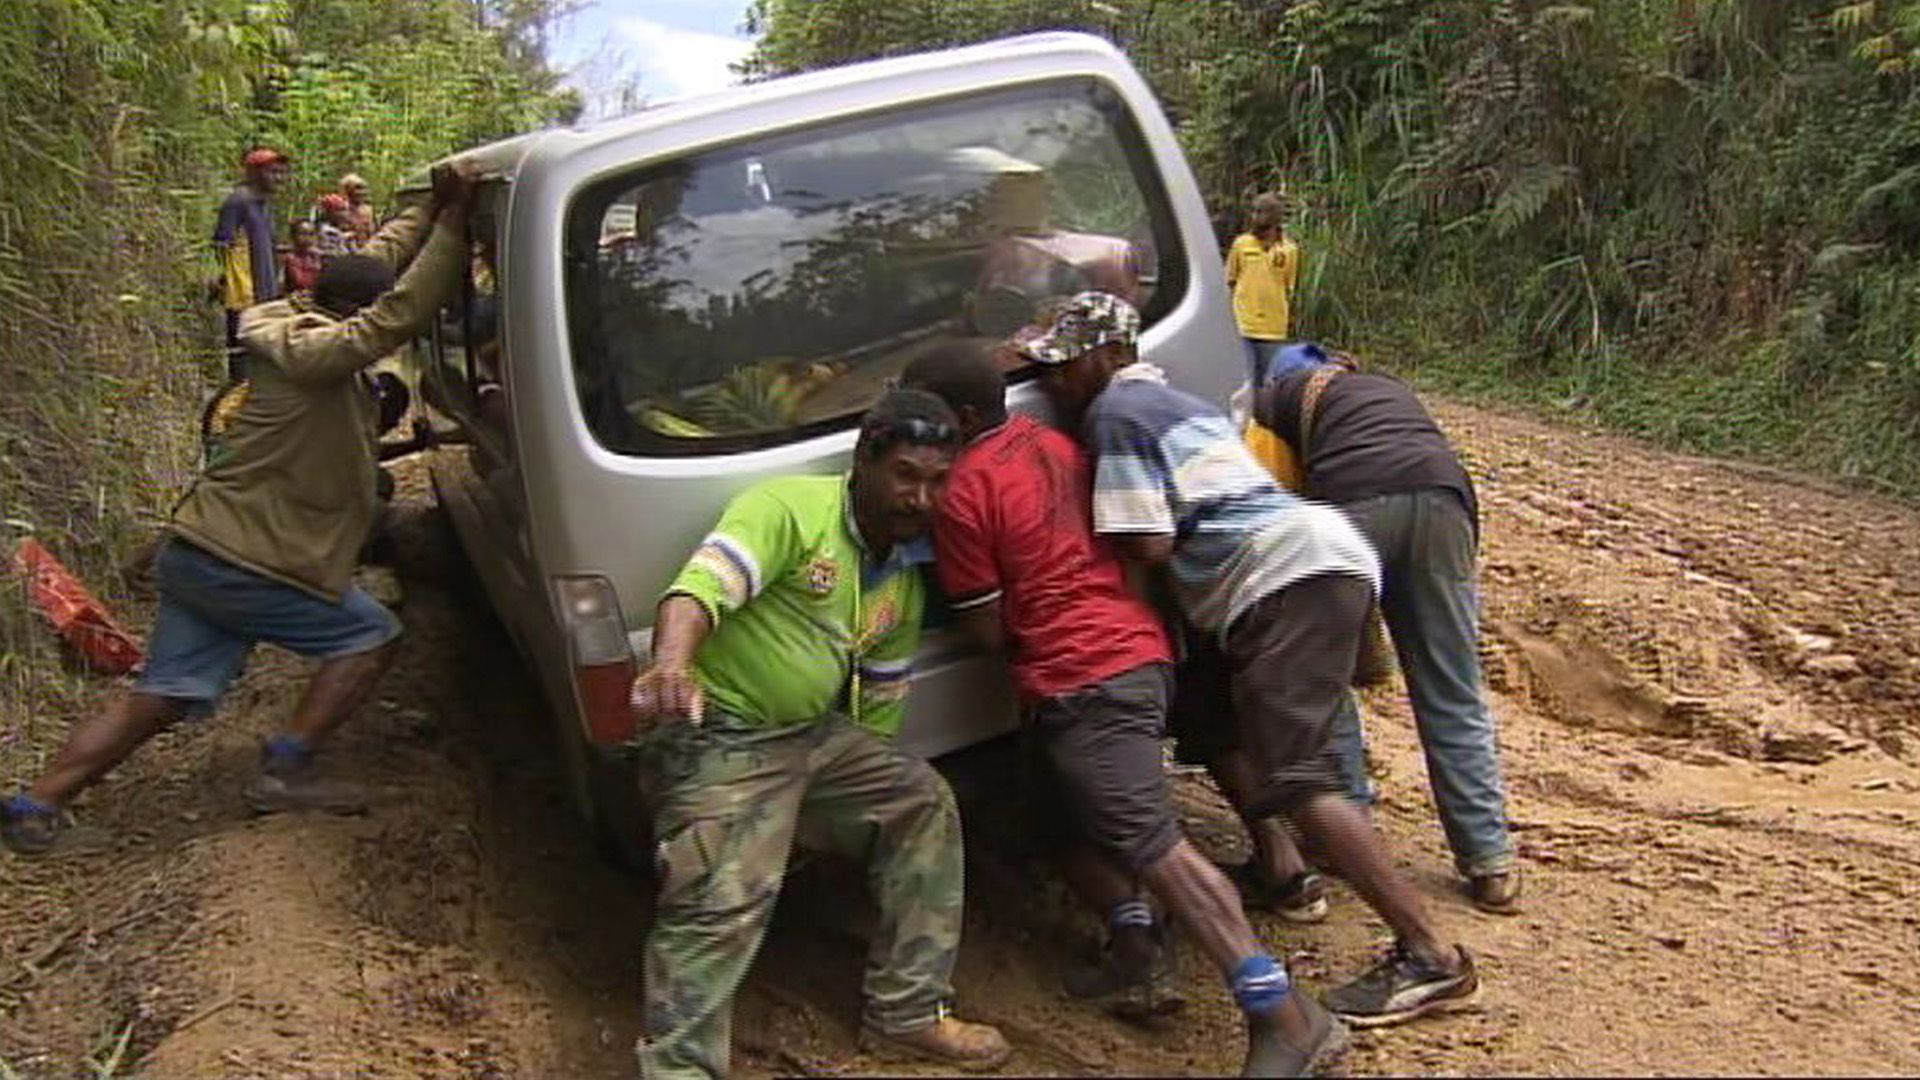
x: 1283, y: 585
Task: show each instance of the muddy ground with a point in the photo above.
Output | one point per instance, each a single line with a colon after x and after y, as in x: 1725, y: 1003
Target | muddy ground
x: 1708, y: 680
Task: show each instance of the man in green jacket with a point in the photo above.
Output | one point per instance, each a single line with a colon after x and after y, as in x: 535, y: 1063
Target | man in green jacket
x: 780, y: 667
x: 262, y: 547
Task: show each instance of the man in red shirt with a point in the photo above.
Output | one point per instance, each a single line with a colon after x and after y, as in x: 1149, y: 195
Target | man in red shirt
x: 1020, y: 564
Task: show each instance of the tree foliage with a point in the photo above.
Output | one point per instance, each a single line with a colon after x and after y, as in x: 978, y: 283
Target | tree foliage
x: 1553, y: 194
x: 121, y: 125
x: 381, y: 88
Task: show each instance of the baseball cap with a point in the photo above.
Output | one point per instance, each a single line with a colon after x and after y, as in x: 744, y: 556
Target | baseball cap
x: 1297, y: 356
x: 265, y: 155
x: 1079, y: 326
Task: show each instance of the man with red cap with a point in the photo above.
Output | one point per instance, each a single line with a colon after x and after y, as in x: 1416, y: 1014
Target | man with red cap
x: 243, y: 239
x: 333, y: 215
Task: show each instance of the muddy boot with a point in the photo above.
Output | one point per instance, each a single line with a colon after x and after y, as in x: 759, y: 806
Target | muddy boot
x: 381, y: 583
x: 1497, y: 894
x: 1270, y: 1054
x: 947, y: 1041
x: 1130, y: 989
x: 287, y: 780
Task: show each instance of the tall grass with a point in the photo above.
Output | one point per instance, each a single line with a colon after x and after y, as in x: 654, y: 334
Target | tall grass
x: 104, y: 349
x: 1699, y: 223
x: 121, y: 123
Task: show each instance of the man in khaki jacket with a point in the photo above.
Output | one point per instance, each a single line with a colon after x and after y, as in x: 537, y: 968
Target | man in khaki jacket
x: 263, y: 546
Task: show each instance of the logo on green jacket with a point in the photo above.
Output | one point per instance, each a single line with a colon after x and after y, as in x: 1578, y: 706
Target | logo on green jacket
x: 822, y: 575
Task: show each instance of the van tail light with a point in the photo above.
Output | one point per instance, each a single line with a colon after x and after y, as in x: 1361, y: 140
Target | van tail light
x: 603, y: 665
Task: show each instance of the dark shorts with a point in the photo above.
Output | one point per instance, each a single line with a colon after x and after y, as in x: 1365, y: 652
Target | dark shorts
x: 1201, y: 718
x: 1100, y: 757
x: 1273, y: 687
x: 212, y: 612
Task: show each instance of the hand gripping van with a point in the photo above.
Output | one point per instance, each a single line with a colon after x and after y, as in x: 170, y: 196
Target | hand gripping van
x: 664, y: 309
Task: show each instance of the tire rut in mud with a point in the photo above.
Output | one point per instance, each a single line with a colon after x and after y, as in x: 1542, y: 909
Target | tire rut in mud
x: 1714, y: 812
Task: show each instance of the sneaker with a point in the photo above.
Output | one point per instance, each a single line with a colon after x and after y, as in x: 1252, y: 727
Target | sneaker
x: 1131, y: 991
x: 1400, y: 988
x: 947, y: 1041
x: 1270, y: 1054
x: 1301, y: 898
x: 1497, y: 894
x: 287, y: 780
x: 27, y: 827
x: 270, y: 793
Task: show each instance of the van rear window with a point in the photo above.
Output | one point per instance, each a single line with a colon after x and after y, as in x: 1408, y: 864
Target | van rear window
x: 770, y: 290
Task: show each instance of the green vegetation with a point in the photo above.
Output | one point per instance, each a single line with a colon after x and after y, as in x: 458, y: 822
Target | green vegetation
x: 122, y: 123
x: 1696, y: 220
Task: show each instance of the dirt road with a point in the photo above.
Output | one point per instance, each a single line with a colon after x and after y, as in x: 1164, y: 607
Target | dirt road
x: 1708, y: 679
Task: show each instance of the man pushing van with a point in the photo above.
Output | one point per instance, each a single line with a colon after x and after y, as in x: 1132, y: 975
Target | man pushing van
x: 262, y: 548
x: 779, y: 670
x: 1022, y: 566
x: 1281, y: 584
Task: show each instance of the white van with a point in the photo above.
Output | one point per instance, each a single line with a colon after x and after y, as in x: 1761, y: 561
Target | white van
x: 667, y: 308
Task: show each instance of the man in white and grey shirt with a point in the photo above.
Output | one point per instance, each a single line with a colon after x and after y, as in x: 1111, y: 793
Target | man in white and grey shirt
x: 1282, y: 585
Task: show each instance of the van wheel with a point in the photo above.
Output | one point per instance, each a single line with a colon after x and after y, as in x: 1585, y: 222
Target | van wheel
x: 622, y: 830
x: 606, y: 793
x: 445, y: 552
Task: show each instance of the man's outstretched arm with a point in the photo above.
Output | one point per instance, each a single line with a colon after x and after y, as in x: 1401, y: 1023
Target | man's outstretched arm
x: 667, y: 688
x: 400, y: 239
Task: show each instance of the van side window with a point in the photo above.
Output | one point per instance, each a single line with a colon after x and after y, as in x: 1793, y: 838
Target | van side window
x: 465, y: 350
x: 769, y: 291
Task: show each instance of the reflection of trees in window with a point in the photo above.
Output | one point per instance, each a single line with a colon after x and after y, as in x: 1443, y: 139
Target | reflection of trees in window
x: 743, y: 360
x: 1098, y: 195
x: 869, y: 240
x: 620, y: 283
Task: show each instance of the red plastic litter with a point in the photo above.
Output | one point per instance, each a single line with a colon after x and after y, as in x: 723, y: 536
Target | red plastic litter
x: 74, y: 612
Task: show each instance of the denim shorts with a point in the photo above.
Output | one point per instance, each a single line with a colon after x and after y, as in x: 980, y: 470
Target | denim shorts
x: 212, y: 612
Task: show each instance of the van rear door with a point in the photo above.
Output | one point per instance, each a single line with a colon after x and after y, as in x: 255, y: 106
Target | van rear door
x: 716, y: 290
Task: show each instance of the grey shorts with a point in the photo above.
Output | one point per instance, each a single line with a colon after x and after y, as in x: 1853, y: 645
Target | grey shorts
x: 1291, y: 658
x: 1101, y: 751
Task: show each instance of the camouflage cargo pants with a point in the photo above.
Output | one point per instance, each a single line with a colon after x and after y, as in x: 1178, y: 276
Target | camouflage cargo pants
x: 732, y: 801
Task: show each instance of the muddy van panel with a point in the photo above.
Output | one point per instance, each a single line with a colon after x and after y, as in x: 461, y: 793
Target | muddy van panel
x: 705, y: 295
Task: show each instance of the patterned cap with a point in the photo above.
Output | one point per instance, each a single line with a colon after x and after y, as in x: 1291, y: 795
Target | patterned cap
x: 1081, y: 325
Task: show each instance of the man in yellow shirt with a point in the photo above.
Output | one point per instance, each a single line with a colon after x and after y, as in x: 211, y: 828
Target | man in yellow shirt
x: 1262, y: 266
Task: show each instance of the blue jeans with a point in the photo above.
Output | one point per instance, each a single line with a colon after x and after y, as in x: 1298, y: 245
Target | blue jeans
x: 1259, y: 358
x: 1431, y: 600
x: 1271, y: 361
x: 1348, y: 741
